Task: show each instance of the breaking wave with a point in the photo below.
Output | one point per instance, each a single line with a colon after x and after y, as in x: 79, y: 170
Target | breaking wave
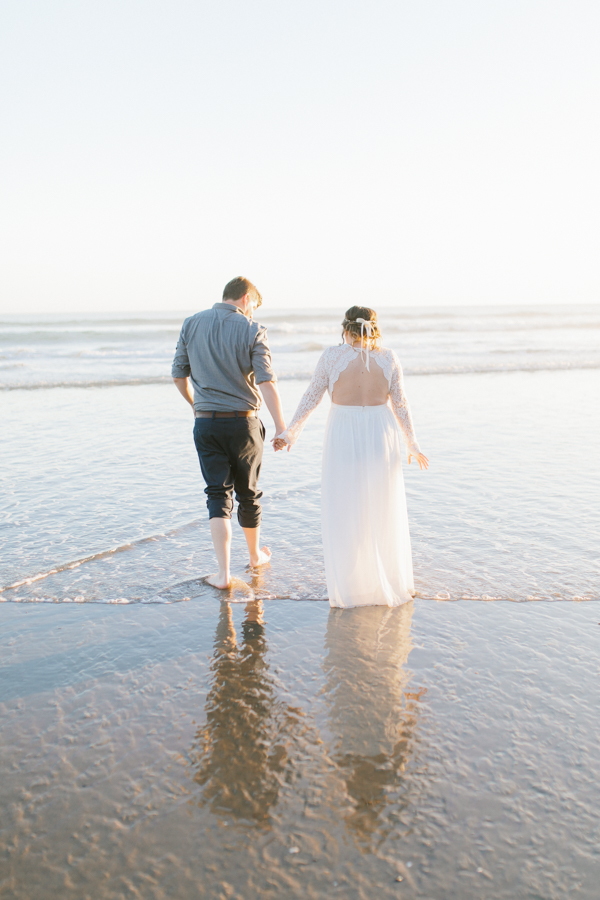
x: 305, y: 374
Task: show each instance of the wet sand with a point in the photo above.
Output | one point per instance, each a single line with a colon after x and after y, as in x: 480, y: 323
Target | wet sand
x: 283, y: 750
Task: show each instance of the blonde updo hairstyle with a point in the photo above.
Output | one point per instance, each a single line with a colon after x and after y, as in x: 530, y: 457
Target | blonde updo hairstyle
x: 352, y: 327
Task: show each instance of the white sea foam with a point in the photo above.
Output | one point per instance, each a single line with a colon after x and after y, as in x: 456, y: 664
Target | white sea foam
x: 98, y: 351
x: 304, y: 374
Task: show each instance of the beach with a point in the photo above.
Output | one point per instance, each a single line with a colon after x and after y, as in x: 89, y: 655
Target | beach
x: 160, y: 742
x: 286, y: 750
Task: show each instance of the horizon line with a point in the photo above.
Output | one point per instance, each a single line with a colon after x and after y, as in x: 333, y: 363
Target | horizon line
x: 307, y: 309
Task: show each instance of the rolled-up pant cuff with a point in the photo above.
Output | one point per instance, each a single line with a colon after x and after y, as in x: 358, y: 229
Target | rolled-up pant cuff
x: 249, y: 518
x: 222, y: 509
x: 219, y: 507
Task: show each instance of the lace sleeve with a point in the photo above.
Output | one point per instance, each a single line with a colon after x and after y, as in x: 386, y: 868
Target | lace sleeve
x: 400, y: 406
x: 310, y: 400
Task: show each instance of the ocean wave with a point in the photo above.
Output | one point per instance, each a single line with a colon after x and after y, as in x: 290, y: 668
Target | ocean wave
x: 48, y: 330
x: 7, y: 592
x: 80, y: 335
x: 84, y: 383
x: 302, y: 328
x: 301, y: 347
x: 305, y: 374
x: 241, y: 592
x: 469, y: 369
x: 25, y: 324
x: 82, y: 599
x: 76, y: 563
x: 445, y: 597
x: 480, y: 369
x: 395, y: 324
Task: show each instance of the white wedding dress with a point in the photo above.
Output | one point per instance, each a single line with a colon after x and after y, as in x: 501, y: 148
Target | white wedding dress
x: 366, y: 541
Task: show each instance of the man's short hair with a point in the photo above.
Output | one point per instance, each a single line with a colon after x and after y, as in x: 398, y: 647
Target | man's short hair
x: 238, y: 288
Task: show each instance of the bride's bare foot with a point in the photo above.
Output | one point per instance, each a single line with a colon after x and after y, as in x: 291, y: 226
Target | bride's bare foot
x: 217, y: 582
x: 262, y: 558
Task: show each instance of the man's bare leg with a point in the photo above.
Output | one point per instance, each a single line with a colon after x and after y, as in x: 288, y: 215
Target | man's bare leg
x: 220, y: 531
x: 258, y: 556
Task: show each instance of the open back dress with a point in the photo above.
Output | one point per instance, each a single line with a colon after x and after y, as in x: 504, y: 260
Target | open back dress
x: 366, y: 541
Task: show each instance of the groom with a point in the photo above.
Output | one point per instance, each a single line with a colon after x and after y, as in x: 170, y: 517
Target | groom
x: 227, y: 358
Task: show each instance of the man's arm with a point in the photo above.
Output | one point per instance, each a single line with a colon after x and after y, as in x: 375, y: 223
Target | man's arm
x: 180, y: 369
x: 266, y: 379
x: 271, y: 397
x: 183, y: 386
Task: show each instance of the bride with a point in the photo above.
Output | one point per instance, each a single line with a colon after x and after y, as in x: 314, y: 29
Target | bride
x: 366, y: 542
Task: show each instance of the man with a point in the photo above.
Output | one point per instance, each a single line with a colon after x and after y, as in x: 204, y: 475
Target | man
x: 227, y: 358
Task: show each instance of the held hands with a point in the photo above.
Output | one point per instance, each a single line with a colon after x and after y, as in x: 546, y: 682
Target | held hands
x: 421, y: 459
x: 280, y: 444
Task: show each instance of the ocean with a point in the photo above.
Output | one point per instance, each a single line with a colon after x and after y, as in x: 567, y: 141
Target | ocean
x: 102, y: 494
x: 159, y: 739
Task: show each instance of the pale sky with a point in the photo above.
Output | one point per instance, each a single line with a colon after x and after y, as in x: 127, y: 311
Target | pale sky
x: 408, y: 152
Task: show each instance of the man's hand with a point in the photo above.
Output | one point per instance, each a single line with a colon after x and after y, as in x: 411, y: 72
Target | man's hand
x: 183, y: 386
x: 280, y: 444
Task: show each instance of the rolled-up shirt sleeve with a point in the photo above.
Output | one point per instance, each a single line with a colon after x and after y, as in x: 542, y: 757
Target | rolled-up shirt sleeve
x: 261, y: 358
x: 181, y: 363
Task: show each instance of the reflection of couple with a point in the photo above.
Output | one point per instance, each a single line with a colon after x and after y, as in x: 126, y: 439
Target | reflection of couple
x: 366, y: 541
x: 241, y: 754
x: 371, y: 721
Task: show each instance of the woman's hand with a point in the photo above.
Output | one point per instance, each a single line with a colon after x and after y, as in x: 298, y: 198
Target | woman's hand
x: 421, y: 459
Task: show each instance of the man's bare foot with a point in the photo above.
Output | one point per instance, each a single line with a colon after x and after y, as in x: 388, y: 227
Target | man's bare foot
x: 263, y: 557
x: 217, y: 582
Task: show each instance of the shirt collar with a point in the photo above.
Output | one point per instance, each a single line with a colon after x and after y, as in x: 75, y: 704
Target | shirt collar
x: 227, y: 308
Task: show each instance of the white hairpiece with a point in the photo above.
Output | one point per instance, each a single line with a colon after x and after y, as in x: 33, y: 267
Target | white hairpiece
x: 365, y: 325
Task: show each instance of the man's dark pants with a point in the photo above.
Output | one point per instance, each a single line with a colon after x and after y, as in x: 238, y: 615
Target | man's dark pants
x: 230, y: 452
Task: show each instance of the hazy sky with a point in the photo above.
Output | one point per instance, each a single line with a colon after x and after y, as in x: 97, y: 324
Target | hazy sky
x: 410, y: 152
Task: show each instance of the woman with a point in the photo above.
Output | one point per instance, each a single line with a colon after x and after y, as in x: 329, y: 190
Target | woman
x: 366, y: 542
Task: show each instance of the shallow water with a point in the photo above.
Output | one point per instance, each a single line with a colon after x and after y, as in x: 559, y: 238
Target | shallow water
x: 509, y: 509
x: 288, y: 750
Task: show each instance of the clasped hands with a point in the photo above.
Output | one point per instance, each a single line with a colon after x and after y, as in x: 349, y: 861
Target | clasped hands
x: 280, y: 444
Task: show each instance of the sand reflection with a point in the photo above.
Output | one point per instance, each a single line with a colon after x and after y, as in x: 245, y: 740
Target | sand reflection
x: 371, y: 715
x: 239, y: 756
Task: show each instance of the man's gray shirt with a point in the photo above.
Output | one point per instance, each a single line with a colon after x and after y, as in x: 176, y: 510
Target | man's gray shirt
x: 226, y: 355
